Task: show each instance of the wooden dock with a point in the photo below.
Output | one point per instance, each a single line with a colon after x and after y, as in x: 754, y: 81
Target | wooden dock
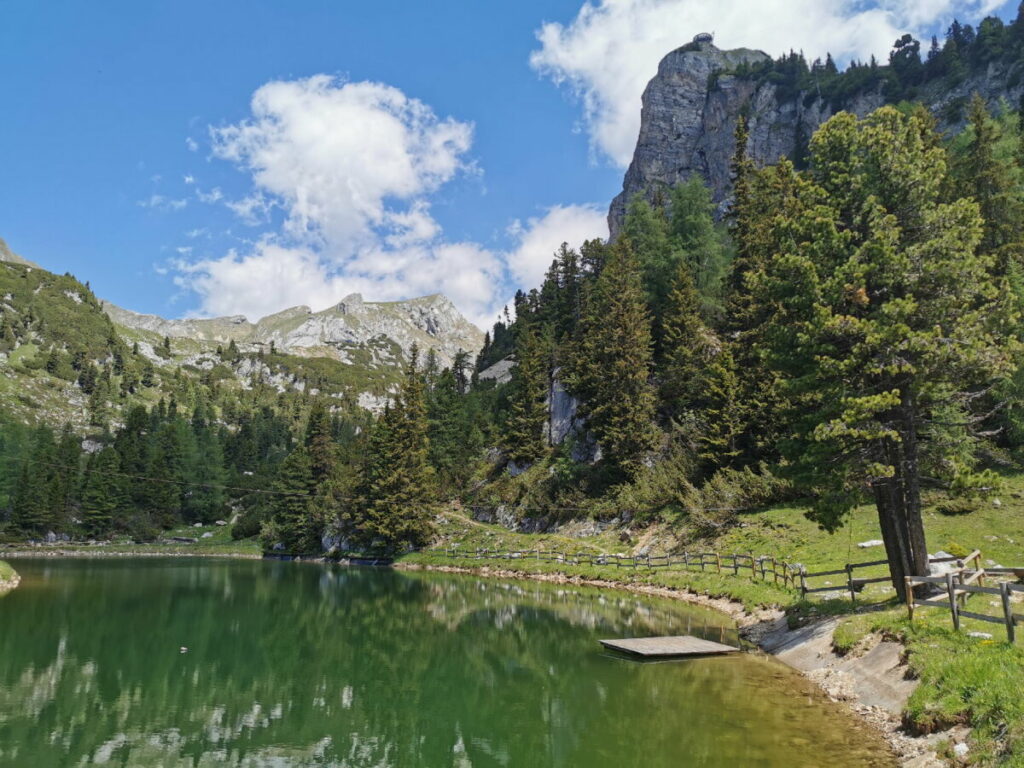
x: 668, y: 647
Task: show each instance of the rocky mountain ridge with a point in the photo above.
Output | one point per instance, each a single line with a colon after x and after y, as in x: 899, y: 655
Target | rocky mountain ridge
x: 385, y: 328
x: 690, y: 108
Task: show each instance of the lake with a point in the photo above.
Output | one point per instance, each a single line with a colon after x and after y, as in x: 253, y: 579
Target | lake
x: 293, y: 664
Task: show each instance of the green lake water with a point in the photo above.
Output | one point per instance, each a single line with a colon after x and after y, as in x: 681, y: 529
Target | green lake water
x: 304, y: 665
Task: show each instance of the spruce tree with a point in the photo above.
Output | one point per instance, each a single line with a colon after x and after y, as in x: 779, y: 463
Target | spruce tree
x: 528, y: 413
x: 290, y: 507
x: 104, y: 494
x: 611, y: 368
x: 37, y: 500
x: 397, y: 487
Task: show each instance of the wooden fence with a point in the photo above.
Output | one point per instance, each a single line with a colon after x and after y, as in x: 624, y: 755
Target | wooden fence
x: 962, y: 582
x: 958, y: 586
x: 855, y: 585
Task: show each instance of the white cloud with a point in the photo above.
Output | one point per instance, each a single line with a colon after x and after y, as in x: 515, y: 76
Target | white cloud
x: 213, y: 196
x: 341, y: 158
x: 161, y: 203
x: 192, y: 145
x: 609, y: 51
x: 353, y: 168
x: 541, y: 237
x: 189, y: 178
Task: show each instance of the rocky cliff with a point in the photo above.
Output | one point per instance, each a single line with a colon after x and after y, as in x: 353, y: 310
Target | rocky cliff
x: 690, y: 107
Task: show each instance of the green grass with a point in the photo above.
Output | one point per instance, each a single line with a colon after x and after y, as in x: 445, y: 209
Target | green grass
x: 6, y: 571
x: 964, y: 680
x: 219, y: 544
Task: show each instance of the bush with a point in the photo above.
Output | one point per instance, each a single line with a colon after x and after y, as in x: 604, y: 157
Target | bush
x: 957, y: 506
x: 248, y: 525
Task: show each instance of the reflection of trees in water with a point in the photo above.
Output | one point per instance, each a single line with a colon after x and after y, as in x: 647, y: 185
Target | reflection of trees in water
x: 296, y: 665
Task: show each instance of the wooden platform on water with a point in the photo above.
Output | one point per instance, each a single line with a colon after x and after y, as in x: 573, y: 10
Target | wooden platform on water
x: 668, y: 647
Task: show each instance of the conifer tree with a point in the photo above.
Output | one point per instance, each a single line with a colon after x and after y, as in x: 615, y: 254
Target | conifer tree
x: 291, y: 506
x: 647, y: 230
x: 103, y: 492
x: 36, y: 500
x: 397, y: 487
x: 528, y: 413
x: 985, y: 178
x: 694, y: 236
x: 612, y: 365
x: 879, y: 323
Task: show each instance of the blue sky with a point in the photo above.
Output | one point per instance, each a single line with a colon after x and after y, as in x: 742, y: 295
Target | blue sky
x: 392, y: 148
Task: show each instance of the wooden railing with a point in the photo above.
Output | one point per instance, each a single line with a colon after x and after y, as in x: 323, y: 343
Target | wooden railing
x: 960, y: 585
x: 855, y: 585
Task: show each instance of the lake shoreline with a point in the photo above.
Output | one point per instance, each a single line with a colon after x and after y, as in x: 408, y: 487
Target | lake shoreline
x: 853, y: 682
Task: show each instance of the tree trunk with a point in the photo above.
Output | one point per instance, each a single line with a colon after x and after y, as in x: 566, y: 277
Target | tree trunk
x: 882, y: 490
x: 891, y: 501
x: 912, y: 487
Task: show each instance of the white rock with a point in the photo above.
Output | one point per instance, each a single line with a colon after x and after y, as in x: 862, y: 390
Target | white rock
x: 960, y: 749
x: 207, y: 535
x: 871, y: 543
x: 980, y: 635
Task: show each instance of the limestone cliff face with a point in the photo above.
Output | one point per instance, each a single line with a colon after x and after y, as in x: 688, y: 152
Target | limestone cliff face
x: 348, y: 331
x: 690, y: 107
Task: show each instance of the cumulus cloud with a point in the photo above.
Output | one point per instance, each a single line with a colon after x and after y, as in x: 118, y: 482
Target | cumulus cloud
x: 606, y: 55
x: 540, y: 237
x: 352, y: 168
x: 343, y: 158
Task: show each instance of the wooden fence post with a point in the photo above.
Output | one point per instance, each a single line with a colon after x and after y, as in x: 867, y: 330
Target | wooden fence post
x: 1004, y: 593
x: 803, y: 581
x: 849, y: 583
x: 735, y: 564
x: 954, y: 609
x: 910, y: 597
x: 753, y: 572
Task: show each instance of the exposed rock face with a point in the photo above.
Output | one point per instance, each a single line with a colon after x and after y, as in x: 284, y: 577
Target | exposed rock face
x: 344, y: 331
x: 689, y: 112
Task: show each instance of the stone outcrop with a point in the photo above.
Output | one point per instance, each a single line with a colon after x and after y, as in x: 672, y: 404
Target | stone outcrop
x: 346, y: 332
x: 690, y: 107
